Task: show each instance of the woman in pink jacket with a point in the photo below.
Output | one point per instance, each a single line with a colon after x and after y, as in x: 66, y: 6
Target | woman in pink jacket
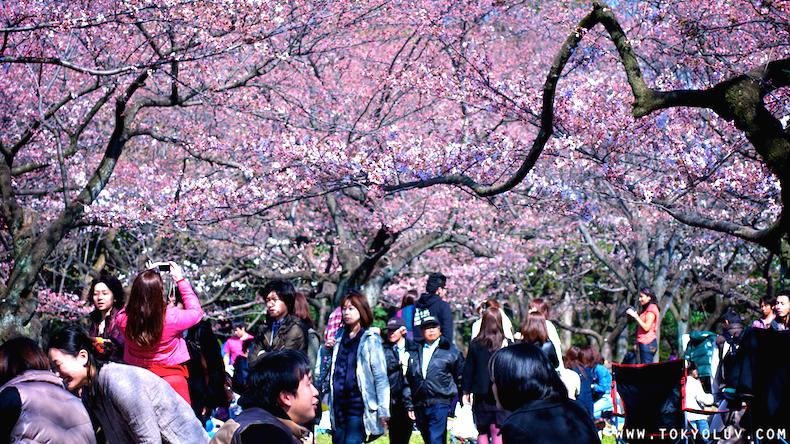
x: 153, y: 331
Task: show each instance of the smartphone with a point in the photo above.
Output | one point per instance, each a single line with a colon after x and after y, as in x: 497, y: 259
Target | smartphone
x: 164, y: 268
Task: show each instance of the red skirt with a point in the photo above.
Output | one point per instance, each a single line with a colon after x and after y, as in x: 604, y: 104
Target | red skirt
x: 176, y: 376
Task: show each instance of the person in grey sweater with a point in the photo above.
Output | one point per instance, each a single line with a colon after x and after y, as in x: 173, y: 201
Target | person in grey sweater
x: 132, y: 404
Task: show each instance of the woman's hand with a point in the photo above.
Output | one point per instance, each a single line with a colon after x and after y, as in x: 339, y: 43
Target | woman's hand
x: 467, y: 399
x: 412, y: 416
x: 175, y: 271
x: 631, y: 312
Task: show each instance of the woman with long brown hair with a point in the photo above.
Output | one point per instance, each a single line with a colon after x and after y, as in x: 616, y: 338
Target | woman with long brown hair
x: 541, y: 306
x: 477, y: 380
x: 534, y: 332
x: 154, y: 330
x: 574, y: 361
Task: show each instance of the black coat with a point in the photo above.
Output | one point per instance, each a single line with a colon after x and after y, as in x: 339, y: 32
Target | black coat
x: 395, y: 371
x: 443, y: 378
x: 555, y: 422
x: 206, y: 370
x: 476, y: 378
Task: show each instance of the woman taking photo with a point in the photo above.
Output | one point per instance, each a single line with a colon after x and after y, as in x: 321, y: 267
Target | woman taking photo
x: 107, y: 295
x: 34, y: 407
x: 154, y: 330
x: 526, y: 384
x: 646, y: 333
x: 477, y: 380
x: 359, y: 390
x: 132, y: 404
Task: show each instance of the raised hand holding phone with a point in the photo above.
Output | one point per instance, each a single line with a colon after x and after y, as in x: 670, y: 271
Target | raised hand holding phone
x: 175, y: 271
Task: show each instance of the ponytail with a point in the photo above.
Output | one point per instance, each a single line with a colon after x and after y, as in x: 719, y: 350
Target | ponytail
x: 72, y: 339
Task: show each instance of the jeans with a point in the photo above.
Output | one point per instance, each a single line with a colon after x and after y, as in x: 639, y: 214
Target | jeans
x: 400, y: 425
x: 647, y: 351
x: 352, y: 431
x: 432, y: 423
x: 703, y: 431
x: 603, y: 404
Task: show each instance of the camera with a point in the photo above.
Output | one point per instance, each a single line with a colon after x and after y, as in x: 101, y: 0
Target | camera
x: 162, y: 267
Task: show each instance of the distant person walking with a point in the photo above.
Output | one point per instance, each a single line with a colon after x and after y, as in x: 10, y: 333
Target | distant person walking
x: 541, y: 306
x: 507, y: 326
x: 400, y: 425
x: 534, y: 332
x: 434, y: 377
x: 477, y: 378
x: 406, y: 312
x: 432, y: 304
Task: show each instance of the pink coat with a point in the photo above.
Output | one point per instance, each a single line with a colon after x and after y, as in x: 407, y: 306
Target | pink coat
x: 172, y: 348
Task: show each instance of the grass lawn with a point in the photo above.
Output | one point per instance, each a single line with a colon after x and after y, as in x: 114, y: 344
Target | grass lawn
x: 416, y: 439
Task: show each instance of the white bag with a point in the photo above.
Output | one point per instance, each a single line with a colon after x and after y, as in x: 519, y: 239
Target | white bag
x: 463, y: 426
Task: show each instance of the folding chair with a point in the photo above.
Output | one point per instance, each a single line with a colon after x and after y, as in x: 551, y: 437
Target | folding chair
x: 652, y: 401
x: 763, y: 362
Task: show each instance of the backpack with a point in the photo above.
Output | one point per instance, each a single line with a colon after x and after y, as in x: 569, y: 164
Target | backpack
x: 700, y: 350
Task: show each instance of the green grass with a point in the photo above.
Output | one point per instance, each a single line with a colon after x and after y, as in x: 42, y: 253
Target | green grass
x: 416, y: 439
x: 327, y: 439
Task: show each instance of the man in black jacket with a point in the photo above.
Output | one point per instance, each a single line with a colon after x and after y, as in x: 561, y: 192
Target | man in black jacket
x: 431, y: 303
x: 395, y: 352
x: 433, y: 378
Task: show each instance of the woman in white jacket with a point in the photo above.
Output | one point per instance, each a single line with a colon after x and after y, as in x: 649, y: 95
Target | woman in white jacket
x: 507, y: 326
x: 697, y: 399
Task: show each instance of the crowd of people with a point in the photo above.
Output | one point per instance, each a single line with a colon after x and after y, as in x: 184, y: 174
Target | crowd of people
x: 149, y: 369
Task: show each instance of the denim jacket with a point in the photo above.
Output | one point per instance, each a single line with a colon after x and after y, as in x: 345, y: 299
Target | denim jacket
x: 372, y: 378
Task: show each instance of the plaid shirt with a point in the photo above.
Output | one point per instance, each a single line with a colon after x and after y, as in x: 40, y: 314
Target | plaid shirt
x: 333, y: 324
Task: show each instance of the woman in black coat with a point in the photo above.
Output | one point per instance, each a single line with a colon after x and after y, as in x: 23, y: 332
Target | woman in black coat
x: 526, y: 383
x: 476, y: 378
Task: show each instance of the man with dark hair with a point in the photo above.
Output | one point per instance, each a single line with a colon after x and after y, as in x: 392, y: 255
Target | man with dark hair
x: 728, y: 372
x: 279, y: 402
x: 782, y: 308
x: 433, y: 379
x: 400, y: 425
x: 282, y: 329
x: 432, y: 304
